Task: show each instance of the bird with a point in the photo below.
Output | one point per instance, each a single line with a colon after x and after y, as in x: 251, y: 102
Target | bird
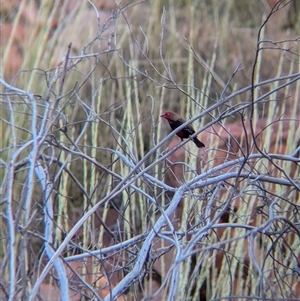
x: 175, y: 121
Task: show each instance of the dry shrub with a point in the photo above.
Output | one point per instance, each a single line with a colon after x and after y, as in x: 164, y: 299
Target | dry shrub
x: 86, y: 164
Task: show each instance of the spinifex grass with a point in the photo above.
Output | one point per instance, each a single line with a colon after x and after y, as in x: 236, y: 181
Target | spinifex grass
x: 104, y: 106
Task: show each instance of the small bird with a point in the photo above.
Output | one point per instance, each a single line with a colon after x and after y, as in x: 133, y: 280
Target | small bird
x: 175, y: 121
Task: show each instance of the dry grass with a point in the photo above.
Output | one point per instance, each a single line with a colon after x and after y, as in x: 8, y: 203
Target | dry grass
x: 81, y: 94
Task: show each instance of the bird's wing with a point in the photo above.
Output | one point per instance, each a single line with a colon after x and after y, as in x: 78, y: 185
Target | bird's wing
x: 176, y: 123
x: 188, y: 129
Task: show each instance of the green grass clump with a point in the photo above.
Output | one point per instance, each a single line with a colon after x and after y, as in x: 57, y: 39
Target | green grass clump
x: 80, y: 115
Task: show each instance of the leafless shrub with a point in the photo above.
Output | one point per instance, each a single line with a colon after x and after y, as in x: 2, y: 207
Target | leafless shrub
x: 97, y: 204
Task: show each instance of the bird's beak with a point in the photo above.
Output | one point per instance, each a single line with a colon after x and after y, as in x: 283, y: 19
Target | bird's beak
x: 163, y: 115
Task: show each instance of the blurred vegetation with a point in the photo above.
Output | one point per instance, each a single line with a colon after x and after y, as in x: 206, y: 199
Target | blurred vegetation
x: 143, y: 57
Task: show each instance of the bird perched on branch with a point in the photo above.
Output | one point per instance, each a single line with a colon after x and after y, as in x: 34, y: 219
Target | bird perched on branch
x: 175, y: 121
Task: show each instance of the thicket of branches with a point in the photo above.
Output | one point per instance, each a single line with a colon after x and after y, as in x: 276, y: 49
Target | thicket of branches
x: 89, y: 171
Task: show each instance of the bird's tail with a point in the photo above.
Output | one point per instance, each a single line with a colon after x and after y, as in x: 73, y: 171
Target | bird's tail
x: 198, y: 142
